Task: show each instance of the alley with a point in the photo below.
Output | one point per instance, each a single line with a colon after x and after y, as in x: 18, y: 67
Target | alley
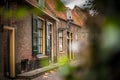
x: 51, y: 75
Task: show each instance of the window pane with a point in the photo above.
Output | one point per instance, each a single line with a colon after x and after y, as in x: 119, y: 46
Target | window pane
x: 35, y: 34
x: 60, y: 34
x: 41, y: 3
x: 40, y: 33
x: 60, y: 47
x: 34, y: 25
x: 48, y: 37
x: 40, y: 23
x: 40, y: 36
x: 40, y: 48
x: 60, y: 41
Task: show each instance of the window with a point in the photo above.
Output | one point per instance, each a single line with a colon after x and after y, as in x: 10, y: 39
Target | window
x: 48, y: 38
x: 40, y: 36
x: 37, y: 35
x: 76, y: 36
x: 61, y: 41
x: 69, y: 14
x: 41, y: 3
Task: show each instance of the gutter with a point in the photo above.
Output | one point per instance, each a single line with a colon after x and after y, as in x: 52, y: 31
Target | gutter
x: 42, y: 10
x: 71, y: 23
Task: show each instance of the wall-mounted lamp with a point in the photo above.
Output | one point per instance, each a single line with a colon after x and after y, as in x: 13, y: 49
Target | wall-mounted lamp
x: 69, y: 20
x: 69, y: 17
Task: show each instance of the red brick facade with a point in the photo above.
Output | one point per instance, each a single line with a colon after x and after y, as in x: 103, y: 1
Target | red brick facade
x: 23, y: 33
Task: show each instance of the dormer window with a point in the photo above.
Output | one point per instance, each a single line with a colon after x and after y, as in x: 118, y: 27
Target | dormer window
x: 41, y: 3
x: 69, y: 14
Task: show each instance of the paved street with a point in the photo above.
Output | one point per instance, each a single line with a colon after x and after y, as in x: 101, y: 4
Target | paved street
x: 51, y: 75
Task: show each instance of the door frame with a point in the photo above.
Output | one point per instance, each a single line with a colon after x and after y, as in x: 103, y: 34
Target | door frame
x: 51, y: 34
x: 69, y: 45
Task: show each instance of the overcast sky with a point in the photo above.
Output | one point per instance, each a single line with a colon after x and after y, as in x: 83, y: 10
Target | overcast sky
x: 72, y: 3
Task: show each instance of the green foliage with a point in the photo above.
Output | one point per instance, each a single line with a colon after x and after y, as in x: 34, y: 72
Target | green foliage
x: 38, y: 11
x: 59, y: 6
x: 8, y: 14
x: 105, y: 46
x: 63, y: 60
x: 44, y: 62
x: 21, y: 13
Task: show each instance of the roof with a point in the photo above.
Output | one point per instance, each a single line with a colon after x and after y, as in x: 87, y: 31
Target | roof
x: 35, y: 4
x: 52, y: 4
x: 78, y: 16
x: 57, y: 9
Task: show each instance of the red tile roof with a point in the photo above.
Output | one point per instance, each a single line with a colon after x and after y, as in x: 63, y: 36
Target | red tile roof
x: 51, y: 8
x: 77, y: 19
x: 49, y: 11
x: 79, y: 16
x: 52, y: 4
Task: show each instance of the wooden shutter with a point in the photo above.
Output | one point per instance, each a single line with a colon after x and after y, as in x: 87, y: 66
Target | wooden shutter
x: 34, y: 35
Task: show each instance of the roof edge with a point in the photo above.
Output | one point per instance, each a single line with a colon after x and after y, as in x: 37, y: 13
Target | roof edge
x: 41, y: 10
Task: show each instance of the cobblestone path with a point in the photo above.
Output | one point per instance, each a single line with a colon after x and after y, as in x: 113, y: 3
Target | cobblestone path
x: 51, y: 75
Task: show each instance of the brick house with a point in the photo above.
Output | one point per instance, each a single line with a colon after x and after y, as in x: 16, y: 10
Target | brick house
x: 37, y: 38
x: 76, y: 32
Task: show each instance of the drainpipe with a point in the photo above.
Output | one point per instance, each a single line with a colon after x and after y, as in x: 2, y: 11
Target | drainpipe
x: 6, y: 57
x: 11, y: 62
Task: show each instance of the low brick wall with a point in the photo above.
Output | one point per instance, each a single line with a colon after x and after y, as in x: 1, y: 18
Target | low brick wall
x: 28, y: 65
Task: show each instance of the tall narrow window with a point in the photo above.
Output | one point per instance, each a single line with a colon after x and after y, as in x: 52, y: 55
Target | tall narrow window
x: 37, y: 35
x: 48, y: 38
x: 61, y: 41
x: 40, y: 36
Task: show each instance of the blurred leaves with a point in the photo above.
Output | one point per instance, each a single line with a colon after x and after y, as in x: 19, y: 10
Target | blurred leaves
x: 21, y: 13
x: 38, y: 11
x: 64, y: 70
x: 8, y: 14
x: 63, y: 60
x: 59, y: 6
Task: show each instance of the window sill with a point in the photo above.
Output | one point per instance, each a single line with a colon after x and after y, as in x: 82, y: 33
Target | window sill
x: 61, y: 52
x: 39, y: 56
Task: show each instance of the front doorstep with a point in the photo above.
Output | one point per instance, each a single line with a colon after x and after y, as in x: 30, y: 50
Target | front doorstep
x: 37, y: 72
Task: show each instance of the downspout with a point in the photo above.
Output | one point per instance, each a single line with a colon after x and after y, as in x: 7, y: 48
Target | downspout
x: 7, y: 63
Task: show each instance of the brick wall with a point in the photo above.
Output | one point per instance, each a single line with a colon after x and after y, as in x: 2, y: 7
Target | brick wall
x: 24, y: 39
x: 75, y: 30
